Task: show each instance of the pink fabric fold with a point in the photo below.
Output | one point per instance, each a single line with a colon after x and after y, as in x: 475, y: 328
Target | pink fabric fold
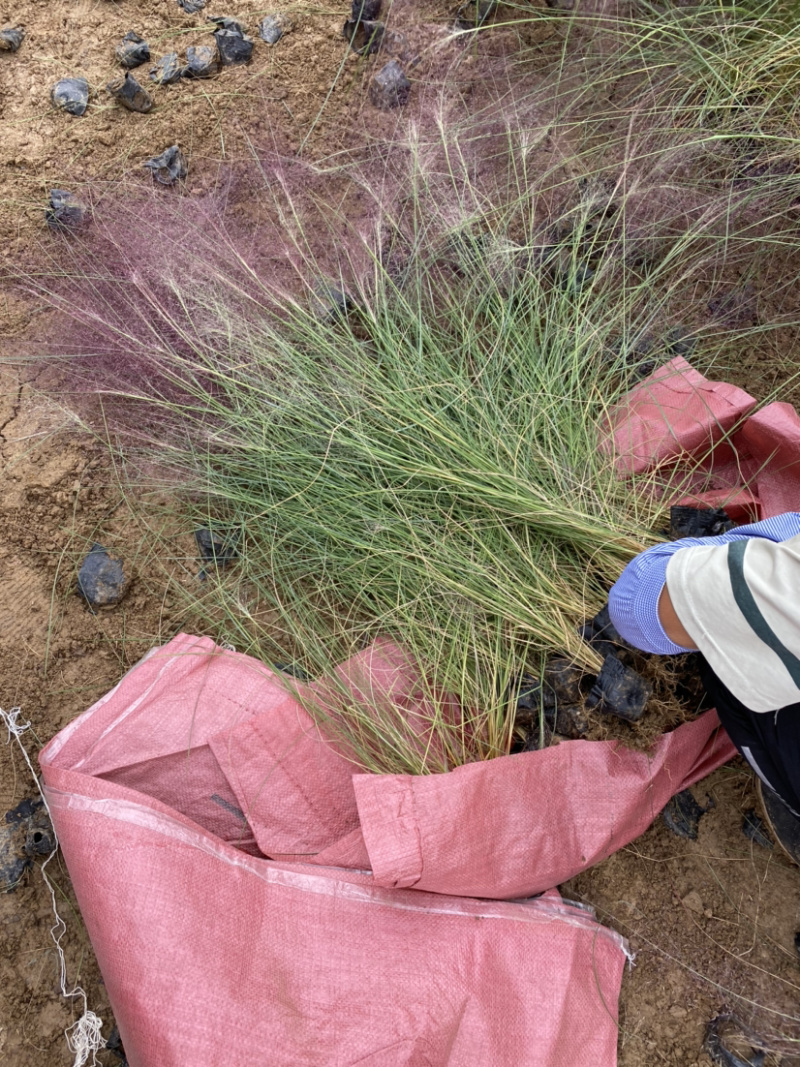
x: 518, y: 825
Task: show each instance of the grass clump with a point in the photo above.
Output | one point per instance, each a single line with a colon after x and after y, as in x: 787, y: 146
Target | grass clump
x: 398, y: 419
x: 421, y: 463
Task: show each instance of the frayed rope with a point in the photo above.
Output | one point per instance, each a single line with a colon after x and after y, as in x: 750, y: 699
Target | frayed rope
x: 84, y: 1037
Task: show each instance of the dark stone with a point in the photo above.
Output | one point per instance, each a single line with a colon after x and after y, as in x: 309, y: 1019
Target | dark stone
x: 71, y: 95
x: 698, y: 522
x: 232, y: 41
x: 169, y: 167
x: 735, y: 308
x: 273, y: 27
x: 726, y: 1029
x: 365, y: 38
x: 601, y: 628
x: 560, y: 685
x: 683, y: 814
x: 571, y: 721
x: 293, y: 670
x: 133, y: 51
x: 66, y: 211
x: 101, y: 580
x: 167, y: 69
x: 202, y: 61
x: 11, y: 38
x: 233, y: 48
x: 619, y: 691
x: 552, y: 703
x: 754, y: 828
x: 217, y: 547
x: 365, y: 10
x: 130, y: 94
x: 644, y: 369
x: 756, y: 166
x: 191, y: 7
x: 474, y: 13
x: 390, y: 87
x: 574, y: 278
x: 223, y: 22
x: 680, y: 341
x: 784, y: 825
x: 797, y: 942
x: 25, y: 834
x: 329, y: 303
x: 114, y: 1044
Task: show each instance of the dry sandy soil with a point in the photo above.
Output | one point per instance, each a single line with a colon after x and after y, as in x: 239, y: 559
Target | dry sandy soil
x: 712, y: 922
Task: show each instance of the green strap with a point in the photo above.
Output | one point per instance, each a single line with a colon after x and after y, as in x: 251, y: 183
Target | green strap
x: 752, y: 613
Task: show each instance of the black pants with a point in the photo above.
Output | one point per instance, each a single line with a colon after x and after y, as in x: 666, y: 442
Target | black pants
x: 768, y: 740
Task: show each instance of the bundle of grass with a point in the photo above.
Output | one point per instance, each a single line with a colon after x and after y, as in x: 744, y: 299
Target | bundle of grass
x: 398, y: 419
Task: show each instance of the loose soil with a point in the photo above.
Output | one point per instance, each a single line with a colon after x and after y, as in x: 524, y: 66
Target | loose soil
x: 712, y: 921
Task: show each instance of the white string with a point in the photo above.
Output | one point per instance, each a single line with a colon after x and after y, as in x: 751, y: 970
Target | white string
x: 84, y: 1037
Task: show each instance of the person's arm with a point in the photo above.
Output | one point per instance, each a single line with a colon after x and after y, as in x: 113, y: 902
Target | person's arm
x: 671, y: 624
x: 639, y: 603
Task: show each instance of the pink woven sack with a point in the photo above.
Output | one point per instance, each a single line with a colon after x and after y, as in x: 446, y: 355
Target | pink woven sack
x: 213, y: 955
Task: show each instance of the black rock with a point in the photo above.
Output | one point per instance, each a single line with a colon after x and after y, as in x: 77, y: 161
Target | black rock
x: 680, y: 341
x: 133, y: 51
x: 553, y: 702
x: 573, y: 278
x: 71, y: 95
x: 66, y: 211
x: 757, y: 166
x: 644, y: 369
x: 619, y: 691
x: 365, y: 38
x: 169, y: 167
x: 25, y: 833
x: 114, y: 1044
x: 222, y: 22
x: 130, y: 94
x: 698, y: 522
x: 167, y: 69
x: 329, y: 303
x: 601, y: 628
x: 725, y: 1033
x: 570, y: 721
x: 753, y: 827
x: 474, y: 13
x: 232, y: 41
x: 365, y: 10
x: 735, y: 308
x: 560, y: 685
x: 11, y: 38
x: 191, y: 7
x: 233, y: 47
x: 101, y: 580
x: 683, y: 814
x: 273, y: 27
x: 202, y: 61
x: 293, y: 671
x: 797, y: 942
x: 217, y: 547
x: 390, y: 87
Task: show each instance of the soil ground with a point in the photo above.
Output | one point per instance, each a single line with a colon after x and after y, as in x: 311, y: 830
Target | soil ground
x: 712, y: 921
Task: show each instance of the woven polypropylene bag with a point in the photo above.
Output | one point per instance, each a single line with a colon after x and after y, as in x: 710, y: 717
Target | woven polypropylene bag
x: 212, y: 954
